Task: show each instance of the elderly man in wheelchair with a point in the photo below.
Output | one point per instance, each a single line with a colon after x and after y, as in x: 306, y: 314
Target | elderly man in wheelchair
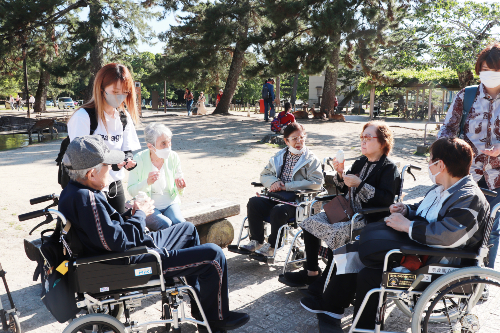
x: 441, y: 233
x: 103, y: 231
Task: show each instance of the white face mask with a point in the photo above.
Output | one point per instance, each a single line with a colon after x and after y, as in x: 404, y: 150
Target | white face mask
x: 162, y: 153
x: 490, y: 79
x: 114, y: 100
x: 431, y: 176
x: 297, y: 151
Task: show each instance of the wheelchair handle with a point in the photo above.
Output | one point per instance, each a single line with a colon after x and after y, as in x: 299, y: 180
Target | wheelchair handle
x: 488, y: 192
x: 32, y: 215
x: 135, y: 251
x: 43, y: 199
x: 255, y: 184
x: 373, y: 210
x: 414, y: 167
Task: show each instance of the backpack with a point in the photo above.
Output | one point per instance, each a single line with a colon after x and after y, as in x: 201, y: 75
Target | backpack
x: 469, y: 96
x: 62, y: 174
x: 276, y: 123
x: 266, y: 94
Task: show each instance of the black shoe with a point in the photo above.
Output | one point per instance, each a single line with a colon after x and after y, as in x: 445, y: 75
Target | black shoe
x: 314, y: 306
x: 233, y: 321
x: 307, y: 293
x: 327, y: 324
x: 301, y: 277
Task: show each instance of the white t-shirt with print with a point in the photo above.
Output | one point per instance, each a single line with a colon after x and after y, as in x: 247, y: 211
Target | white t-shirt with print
x: 115, y: 137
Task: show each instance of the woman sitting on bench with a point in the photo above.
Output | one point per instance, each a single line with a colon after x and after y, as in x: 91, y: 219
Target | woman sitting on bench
x: 292, y: 168
x: 159, y: 175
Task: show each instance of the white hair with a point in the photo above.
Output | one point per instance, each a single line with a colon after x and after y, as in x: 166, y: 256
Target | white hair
x: 154, y: 130
x: 75, y: 175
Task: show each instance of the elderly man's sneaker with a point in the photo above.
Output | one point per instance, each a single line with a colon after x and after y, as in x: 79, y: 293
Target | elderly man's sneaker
x: 266, y: 250
x: 252, y: 246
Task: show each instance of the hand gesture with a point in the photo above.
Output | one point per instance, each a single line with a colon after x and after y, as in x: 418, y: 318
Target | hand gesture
x: 180, y: 182
x: 338, y: 166
x: 352, y: 180
x: 398, y: 207
x: 130, y: 163
x: 398, y: 222
x: 493, y: 152
x: 277, y: 186
x: 153, y: 176
x: 146, y: 206
x: 121, y: 164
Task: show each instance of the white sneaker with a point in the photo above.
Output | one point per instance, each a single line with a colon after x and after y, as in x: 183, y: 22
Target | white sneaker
x: 266, y: 250
x: 252, y: 246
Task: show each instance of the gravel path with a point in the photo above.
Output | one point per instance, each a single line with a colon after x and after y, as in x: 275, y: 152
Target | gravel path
x: 220, y: 157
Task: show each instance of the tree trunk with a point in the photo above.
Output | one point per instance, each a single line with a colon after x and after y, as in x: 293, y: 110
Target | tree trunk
x: 234, y: 73
x: 96, y: 55
x: 294, y: 90
x: 25, y: 70
x: 465, y: 78
x: 331, y: 74
x: 41, y: 92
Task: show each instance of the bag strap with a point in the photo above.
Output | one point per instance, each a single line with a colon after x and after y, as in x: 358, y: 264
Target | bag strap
x: 469, y: 96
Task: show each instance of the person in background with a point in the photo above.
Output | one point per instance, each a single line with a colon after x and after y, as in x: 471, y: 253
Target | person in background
x: 188, y: 96
x: 32, y: 101
x: 286, y: 117
x: 113, y: 90
x: 201, y: 104
x: 12, y: 102
x: 269, y: 102
x: 482, y: 131
x: 159, y: 175
x: 219, y: 95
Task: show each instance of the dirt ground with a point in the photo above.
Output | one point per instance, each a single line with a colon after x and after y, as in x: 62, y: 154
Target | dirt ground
x: 220, y: 157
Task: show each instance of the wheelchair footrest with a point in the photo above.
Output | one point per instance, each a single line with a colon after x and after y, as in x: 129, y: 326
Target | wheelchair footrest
x: 283, y: 280
x: 236, y: 249
x: 261, y: 258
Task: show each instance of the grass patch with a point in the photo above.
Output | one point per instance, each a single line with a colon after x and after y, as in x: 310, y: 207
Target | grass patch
x: 18, y: 227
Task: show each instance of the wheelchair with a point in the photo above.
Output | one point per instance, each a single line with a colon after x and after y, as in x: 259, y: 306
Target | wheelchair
x: 106, y: 289
x: 294, y: 261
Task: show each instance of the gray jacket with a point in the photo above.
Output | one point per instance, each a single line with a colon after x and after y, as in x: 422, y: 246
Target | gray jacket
x: 460, y: 222
x: 307, y: 172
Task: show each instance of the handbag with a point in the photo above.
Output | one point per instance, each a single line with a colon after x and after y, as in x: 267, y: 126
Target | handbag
x: 338, y: 210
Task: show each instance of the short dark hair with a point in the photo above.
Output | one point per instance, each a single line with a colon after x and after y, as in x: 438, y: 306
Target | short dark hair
x: 292, y: 127
x: 491, y: 54
x: 455, y: 153
x: 384, y: 135
x: 288, y: 106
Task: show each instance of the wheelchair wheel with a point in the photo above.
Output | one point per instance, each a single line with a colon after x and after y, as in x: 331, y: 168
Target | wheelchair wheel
x: 95, y: 322
x: 453, y: 303
x: 297, y: 255
x: 116, y: 310
x: 14, y: 324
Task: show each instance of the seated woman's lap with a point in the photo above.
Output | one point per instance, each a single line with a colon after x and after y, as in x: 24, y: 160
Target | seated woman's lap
x: 164, y: 218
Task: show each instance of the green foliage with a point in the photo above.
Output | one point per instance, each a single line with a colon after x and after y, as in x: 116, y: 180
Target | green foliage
x: 410, y: 77
x: 249, y: 90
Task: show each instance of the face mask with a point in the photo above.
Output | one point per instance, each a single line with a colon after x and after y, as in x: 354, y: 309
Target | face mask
x: 297, y: 151
x: 162, y: 153
x: 431, y: 176
x: 115, y: 100
x: 490, y: 79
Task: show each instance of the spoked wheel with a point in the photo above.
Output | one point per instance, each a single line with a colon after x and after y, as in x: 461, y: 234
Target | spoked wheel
x: 453, y: 303
x: 297, y: 255
x: 14, y: 324
x: 95, y: 323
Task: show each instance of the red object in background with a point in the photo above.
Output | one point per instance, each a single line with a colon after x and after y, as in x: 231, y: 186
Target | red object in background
x: 261, y: 103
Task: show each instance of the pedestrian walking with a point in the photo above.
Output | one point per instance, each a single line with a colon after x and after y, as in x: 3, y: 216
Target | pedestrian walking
x: 32, y: 101
x: 11, y: 102
x: 188, y: 96
x: 268, y: 97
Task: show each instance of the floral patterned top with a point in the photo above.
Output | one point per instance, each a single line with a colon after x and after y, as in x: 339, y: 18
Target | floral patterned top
x: 366, y: 192
x: 287, y: 173
x: 481, y: 131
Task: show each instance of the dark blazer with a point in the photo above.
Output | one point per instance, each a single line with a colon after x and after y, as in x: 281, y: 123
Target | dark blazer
x: 378, y: 189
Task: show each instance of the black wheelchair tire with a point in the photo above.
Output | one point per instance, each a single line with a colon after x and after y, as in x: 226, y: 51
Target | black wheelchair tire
x: 298, y: 254
x: 103, y: 320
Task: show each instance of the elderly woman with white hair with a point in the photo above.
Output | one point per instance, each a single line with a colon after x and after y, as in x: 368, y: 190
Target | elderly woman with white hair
x: 158, y: 174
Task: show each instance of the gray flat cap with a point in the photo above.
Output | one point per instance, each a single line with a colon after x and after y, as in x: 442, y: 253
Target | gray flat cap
x: 89, y: 151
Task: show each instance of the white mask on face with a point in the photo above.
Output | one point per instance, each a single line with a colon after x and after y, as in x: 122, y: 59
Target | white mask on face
x: 114, y: 100
x: 162, y: 153
x: 490, y: 79
x: 431, y: 176
x: 297, y: 151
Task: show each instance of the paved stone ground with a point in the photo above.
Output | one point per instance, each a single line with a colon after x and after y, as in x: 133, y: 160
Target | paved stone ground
x: 220, y: 157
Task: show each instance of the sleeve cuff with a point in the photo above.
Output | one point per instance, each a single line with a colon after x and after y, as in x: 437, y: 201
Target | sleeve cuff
x: 366, y: 192
x: 410, y: 229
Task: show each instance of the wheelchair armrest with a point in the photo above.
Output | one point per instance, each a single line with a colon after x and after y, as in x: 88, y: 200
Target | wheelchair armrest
x: 307, y: 191
x: 325, y: 197
x: 255, y: 184
x: 488, y: 192
x: 135, y: 251
x: 367, y: 211
x: 432, y: 251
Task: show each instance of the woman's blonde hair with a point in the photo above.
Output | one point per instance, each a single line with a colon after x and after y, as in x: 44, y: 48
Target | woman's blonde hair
x: 109, y: 75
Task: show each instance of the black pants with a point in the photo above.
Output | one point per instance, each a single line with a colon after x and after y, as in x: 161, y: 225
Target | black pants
x: 204, y: 266
x: 116, y: 196
x: 312, y: 245
x: 262, y: 209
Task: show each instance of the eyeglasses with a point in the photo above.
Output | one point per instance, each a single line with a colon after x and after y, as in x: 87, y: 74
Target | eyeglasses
x: 298, y: 138
x: 365, y: 138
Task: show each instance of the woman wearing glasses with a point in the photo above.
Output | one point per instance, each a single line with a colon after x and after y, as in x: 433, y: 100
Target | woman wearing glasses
x: 105, y: 115
x: 369, y: 183
x: 292, y: 168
